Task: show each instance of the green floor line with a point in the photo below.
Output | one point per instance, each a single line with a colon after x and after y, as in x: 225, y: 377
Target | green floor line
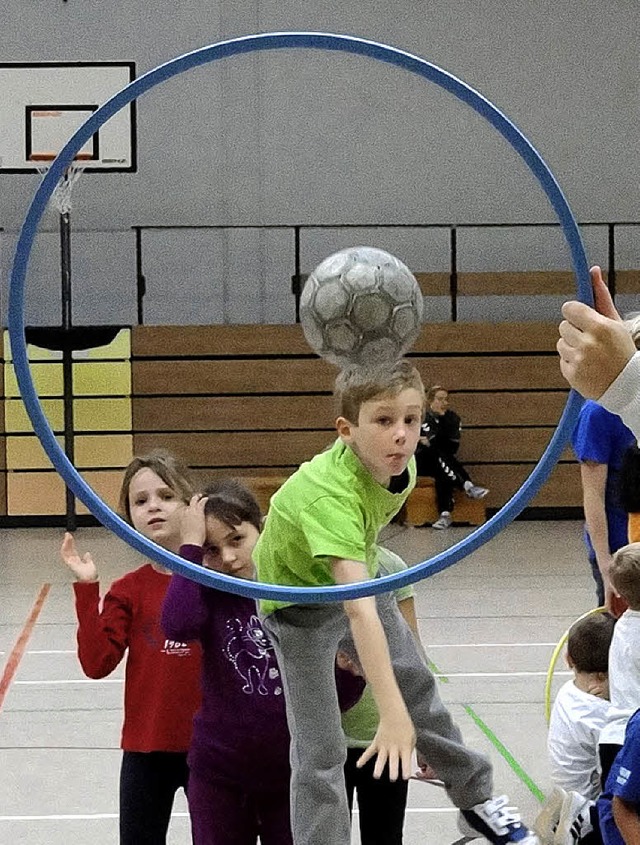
x: 504, y: 752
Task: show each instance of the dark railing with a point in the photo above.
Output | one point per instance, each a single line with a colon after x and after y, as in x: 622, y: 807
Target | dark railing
x: 298, y: 278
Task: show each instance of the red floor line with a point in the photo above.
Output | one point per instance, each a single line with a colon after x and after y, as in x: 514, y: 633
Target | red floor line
x: 17, y: 652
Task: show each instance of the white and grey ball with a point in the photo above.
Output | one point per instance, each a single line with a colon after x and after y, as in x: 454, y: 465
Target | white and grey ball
x: 361, y: 306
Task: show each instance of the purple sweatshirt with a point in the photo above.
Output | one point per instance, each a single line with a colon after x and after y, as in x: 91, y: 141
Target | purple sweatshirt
x: 240, y: 732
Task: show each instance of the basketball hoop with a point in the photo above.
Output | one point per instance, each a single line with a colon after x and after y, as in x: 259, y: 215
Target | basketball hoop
x: 61, y: 197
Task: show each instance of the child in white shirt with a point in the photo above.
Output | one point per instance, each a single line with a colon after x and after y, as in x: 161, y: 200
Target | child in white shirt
x: 580, y: 708
x: 579, y: 713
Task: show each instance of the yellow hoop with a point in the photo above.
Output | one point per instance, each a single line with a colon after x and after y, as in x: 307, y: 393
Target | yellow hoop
x: 554, y: 660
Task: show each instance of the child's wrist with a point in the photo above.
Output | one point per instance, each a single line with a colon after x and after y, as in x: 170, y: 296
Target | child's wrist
x: 192, y: 541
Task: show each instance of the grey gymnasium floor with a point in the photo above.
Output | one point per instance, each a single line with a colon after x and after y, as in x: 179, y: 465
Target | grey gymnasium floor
x: 489, y: 624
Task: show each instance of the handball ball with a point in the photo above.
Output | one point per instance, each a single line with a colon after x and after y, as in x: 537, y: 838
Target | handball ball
x: 361, y: 306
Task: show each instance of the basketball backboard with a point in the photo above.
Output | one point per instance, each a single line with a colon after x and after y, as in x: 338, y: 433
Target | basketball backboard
x: 42, y: 105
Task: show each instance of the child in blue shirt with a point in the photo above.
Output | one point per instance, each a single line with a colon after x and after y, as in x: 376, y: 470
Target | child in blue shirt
x: 600, y: 441
x: 619, y: 804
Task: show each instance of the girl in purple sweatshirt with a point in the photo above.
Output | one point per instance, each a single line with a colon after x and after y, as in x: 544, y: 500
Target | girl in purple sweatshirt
x: 239, y: 756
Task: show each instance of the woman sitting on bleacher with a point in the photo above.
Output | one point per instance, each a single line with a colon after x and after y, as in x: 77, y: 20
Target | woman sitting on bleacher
x: 436, y: 455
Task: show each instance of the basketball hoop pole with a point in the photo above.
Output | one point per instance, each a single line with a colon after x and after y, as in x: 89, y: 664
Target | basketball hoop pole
x: 67, y: 360
x: 62, y: 201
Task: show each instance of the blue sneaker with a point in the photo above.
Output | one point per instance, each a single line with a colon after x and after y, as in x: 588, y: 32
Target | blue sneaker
x: 497, y: 822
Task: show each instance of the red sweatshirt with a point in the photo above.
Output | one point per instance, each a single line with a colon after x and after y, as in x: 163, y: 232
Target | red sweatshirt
x: 162, y: 677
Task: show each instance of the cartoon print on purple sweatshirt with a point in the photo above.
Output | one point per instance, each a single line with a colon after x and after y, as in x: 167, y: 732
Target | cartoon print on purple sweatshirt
x: 252, y: 655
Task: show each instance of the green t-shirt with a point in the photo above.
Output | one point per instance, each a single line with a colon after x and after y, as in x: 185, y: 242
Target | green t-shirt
x: 360, y: 722
x: 332, y: 507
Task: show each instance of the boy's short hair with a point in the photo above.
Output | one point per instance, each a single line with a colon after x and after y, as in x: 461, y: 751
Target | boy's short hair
x: 356, y: 385
x: 624, y: 574
x: 588, y: 642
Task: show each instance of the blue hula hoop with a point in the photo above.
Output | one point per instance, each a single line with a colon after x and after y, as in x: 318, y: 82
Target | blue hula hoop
x: 203, y: 56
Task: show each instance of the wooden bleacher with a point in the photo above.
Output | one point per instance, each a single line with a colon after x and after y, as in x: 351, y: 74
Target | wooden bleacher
x: 253, y: 401
x: 518, y: 283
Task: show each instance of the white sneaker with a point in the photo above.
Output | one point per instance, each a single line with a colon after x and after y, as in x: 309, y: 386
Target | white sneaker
x: 474, y: 491
x: 497, y: 822
x: 546, y: 822
x: 575, y: 820
x: 444, y: 521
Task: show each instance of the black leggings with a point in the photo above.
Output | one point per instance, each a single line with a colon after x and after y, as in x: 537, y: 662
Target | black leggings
x: 381, y: 802
x: 148, y: 784
x: 447, y: 472
x: 607, y: 753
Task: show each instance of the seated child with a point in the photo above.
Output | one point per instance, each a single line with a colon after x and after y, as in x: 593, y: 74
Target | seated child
x: 322, y: 529
x: 580, y: 708
x: 437, y: 455
x: 619, y: 804
x: 578, y: 715
x: 624, y: 655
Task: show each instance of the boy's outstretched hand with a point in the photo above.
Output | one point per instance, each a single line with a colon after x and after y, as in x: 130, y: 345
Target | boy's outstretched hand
x: 594, y: 345
x: 393, y: 744
x: 82, y: 567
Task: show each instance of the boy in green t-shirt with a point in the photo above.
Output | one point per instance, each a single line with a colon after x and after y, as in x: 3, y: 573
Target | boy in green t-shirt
x: 322, y: 529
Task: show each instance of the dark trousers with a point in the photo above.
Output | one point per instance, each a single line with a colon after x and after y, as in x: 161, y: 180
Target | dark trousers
x: 597, y: 577
x: 225, y: 813
x: 607, y: 753
x: 595, y: 837
x: 148, y: 784
x: 381, y: 802
x: 447, y: 472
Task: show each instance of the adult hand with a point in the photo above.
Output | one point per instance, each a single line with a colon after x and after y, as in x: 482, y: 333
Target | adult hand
x: 193, y: 530
x: 82, y: 567
x: 594, y: 345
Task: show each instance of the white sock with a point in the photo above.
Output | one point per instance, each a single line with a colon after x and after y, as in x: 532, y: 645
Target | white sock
x: 468, y: 485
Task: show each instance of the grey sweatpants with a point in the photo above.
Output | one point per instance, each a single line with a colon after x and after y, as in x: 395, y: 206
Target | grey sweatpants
x: 306, y: 639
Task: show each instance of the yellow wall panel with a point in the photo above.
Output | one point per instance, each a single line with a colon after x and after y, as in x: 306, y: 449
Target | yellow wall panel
x: 102, y: 414
x: 91, y: 378
x: 16, y: 419
x: 27, y: 453
x: 120, y: 347
x: 47, y: 379
x: 106, y: 450
x: 34, y: 353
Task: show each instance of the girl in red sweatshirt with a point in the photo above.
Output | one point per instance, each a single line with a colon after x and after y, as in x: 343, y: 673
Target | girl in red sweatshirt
x: 162, y: 676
